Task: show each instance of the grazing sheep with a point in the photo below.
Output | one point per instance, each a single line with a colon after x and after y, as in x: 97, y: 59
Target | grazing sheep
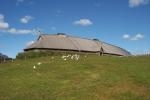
x: 72, y: 57
x: 63, y: 57
x: 34, y: 67
x: 39, y: 63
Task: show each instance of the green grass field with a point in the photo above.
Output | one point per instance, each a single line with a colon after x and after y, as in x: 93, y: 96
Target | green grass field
x: 90, y: 78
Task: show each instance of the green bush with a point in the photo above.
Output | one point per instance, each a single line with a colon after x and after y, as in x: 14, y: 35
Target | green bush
x: 33, y: 54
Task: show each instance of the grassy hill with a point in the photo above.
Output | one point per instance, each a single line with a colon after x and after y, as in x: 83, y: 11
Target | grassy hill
x: 89, y: 78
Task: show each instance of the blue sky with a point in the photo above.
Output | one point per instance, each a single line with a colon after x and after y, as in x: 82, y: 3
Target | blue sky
x: 125, y: 23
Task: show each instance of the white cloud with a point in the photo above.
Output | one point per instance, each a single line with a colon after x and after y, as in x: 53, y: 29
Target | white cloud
x: 26, y: 19
x: 137, y: 37
x: 19, y: 31
x: 24, y: 31
x: 126, y: 36
x: 133, y: 38
x: 3, y: 24
x: 83, y: 22
x: 28, y: 2
x: 30, y: 43
x: 12, y: 30
x: 136, y: 3
x: 4, y: 27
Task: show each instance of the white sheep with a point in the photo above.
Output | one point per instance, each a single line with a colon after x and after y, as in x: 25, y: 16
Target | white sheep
x: 39, y: 63
x: 34, y: 67
x: 63, y: 57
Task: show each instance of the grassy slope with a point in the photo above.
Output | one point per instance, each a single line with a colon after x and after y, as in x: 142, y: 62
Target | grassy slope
x: 91, y: 78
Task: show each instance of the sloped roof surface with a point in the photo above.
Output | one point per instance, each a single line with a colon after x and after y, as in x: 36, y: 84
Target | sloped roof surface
x: 60, y: 41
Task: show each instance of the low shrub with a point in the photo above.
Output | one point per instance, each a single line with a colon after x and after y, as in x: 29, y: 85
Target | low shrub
x: 33, y: 54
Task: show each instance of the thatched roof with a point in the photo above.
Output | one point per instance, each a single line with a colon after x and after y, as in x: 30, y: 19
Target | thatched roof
x: 65, y: 42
